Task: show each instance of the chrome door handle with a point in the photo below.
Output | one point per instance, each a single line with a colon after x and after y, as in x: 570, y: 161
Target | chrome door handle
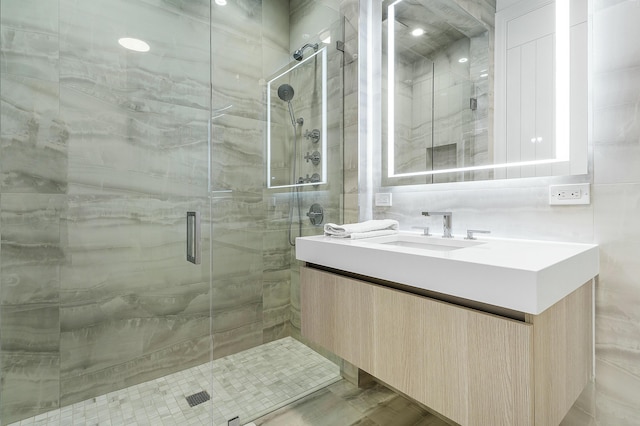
x: 193, y: 237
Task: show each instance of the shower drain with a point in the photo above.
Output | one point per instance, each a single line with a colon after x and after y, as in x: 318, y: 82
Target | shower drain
x: 198, y: 398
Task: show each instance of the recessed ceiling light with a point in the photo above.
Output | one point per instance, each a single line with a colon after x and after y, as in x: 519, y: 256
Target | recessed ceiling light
x: 463, y: 60
x: 417, y: 32
x: 221, y: 2
x: 484, y: 75
x: 134, y: 44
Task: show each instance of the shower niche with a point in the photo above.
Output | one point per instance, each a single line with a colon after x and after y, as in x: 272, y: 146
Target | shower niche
x: 297, y: 121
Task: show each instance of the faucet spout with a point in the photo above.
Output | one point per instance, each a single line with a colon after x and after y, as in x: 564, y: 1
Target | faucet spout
x: 447, y: 221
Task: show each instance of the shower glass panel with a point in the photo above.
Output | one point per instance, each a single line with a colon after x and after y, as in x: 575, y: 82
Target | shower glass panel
x: 106, y: 144
x: 104, y: 150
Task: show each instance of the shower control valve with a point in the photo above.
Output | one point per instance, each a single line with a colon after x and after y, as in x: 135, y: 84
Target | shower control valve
x: 314, y: 157
x: 309, y: 179
x: 314, y: 135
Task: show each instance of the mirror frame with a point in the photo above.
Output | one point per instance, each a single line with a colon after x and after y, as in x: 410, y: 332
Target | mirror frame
x: 562, y: 116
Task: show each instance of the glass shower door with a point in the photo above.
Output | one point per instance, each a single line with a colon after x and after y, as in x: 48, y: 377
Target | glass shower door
x: 104, y: 150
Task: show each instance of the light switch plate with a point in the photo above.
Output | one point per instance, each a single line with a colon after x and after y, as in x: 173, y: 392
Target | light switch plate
x: 383, y: 199
x: 572, y: 194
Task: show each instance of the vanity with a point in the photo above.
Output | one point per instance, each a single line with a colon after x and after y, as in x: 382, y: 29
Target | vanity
x: 484, y: 332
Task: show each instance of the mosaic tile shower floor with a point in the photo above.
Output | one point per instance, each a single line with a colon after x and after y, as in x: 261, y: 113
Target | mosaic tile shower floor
x: 248, y: 384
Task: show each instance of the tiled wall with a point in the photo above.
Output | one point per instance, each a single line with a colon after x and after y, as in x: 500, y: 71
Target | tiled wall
x: 103, y: 151
x: 519, y: 209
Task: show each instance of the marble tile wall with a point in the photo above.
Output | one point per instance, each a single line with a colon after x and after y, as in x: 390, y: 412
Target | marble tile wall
x: 519, y: 209
x: 102, y: 151
x: 281, y: 313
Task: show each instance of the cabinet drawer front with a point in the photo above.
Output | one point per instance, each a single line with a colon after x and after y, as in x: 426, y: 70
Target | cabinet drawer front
x: 338, y: 315
x: 472, y: 367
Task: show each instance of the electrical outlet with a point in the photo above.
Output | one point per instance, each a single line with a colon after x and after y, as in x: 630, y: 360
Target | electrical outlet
x: 573, y: 194
x: 383, y: 199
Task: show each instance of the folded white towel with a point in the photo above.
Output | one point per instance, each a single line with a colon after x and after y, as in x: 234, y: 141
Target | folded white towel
x: 370, y: 228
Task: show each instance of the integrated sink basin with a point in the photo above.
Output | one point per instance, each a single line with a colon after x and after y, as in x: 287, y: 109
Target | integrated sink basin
x: 423, y: 242
x: 523, y: 275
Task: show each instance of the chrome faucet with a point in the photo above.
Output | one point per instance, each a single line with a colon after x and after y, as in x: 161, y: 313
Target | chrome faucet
x: 447, y: 220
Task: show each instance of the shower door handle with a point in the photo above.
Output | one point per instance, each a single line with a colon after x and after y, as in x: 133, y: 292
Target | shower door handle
x: 193, y: 237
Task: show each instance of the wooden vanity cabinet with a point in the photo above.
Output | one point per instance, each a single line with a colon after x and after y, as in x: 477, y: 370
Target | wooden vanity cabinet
x: 472, y: 367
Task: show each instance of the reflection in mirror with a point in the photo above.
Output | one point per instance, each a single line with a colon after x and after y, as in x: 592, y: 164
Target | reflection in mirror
x: 297, y: 123
x: 436, y: 107
x: 438, y: 115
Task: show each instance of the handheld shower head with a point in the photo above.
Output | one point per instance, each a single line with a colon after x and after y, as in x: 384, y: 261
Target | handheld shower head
x: 285, y: 92
x: 299, y: 54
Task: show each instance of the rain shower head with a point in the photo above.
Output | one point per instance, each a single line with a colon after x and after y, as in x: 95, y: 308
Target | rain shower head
x: 285, y: 92
x: 299, y: 54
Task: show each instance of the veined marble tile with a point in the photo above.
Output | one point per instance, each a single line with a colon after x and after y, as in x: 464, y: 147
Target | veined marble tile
x: 92, y: 60
x: 32, y: 328
x: 90, y: 347
x: 275, y: 35
x: 512, y: 212
x: 193, y: 9
x: 114, y: 149
x: 143, y: 237
x: 236, y: 292
x: 238, y: 154
x: 608, y: 157
x: 227, y: 342
x: 34, y: 140
x: 618, y: 232
x: 616, y: 395
x: 32, y: 248
x: 144, y: 368
x: 30, y: 384
x: 310, y: 17
x: 613, y: 28
x: 29, y: 54
x: 276, y: 298
x: 614, y: 88
x: 236, y: 72
x: 30, y: 15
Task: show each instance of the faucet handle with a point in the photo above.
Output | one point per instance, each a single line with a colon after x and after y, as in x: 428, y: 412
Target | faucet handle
x: 470, y: 233
x: 425, y: 230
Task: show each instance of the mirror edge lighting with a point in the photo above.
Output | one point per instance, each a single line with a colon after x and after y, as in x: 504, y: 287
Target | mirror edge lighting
x: 323, y: 133
x: 562, y: 98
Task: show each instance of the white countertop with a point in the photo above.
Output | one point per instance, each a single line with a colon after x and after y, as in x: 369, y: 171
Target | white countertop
x: 524, y: 275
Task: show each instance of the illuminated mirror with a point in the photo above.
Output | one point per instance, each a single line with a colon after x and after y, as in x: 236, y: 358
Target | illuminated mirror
x: 443, y: 117
x: 297, y: 123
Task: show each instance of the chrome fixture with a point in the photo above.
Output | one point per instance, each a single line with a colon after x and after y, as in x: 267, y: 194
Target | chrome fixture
x: 299, y: 54
x: 470, y: 233
x: 314, y: 157
x: 314, y: 135
x: 194, y: 248
x: 309, y: 179
x: 425, y: 230
x: 447, y: 221
x: 316, y: 214
x: 286, y: 92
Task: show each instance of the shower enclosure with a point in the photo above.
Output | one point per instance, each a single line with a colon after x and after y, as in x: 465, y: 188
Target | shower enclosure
x: 105, y: 148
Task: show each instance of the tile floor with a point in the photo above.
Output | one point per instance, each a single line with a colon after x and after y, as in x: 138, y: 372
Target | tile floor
x: 248, y: 384
x: 343, y: 404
